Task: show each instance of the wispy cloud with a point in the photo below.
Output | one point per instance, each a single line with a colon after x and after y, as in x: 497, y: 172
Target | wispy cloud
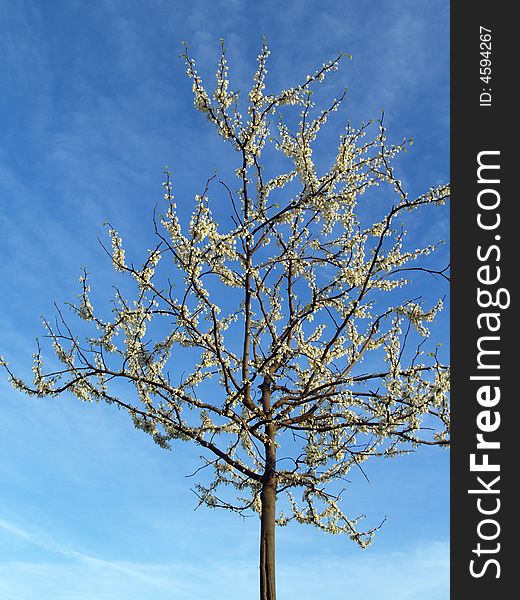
x: 421, y: 573
x: 39, y: 539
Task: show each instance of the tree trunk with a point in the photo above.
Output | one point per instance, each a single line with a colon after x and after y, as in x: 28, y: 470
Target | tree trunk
x: 268, y: 500
x: 267, y: 541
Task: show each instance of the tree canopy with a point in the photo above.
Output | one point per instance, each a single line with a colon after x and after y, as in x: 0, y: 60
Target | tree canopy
x: 300, y: 315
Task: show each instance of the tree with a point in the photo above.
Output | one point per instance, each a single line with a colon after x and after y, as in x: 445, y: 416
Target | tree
x: 277, y: 310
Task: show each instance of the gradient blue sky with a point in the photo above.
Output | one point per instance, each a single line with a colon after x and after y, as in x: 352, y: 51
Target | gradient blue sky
x: 94, y: 104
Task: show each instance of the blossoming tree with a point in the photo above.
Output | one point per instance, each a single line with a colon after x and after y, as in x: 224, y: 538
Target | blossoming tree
x: 305, y: 359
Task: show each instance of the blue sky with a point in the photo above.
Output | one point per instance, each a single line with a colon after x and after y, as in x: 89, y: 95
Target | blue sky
x: 95, y: 103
